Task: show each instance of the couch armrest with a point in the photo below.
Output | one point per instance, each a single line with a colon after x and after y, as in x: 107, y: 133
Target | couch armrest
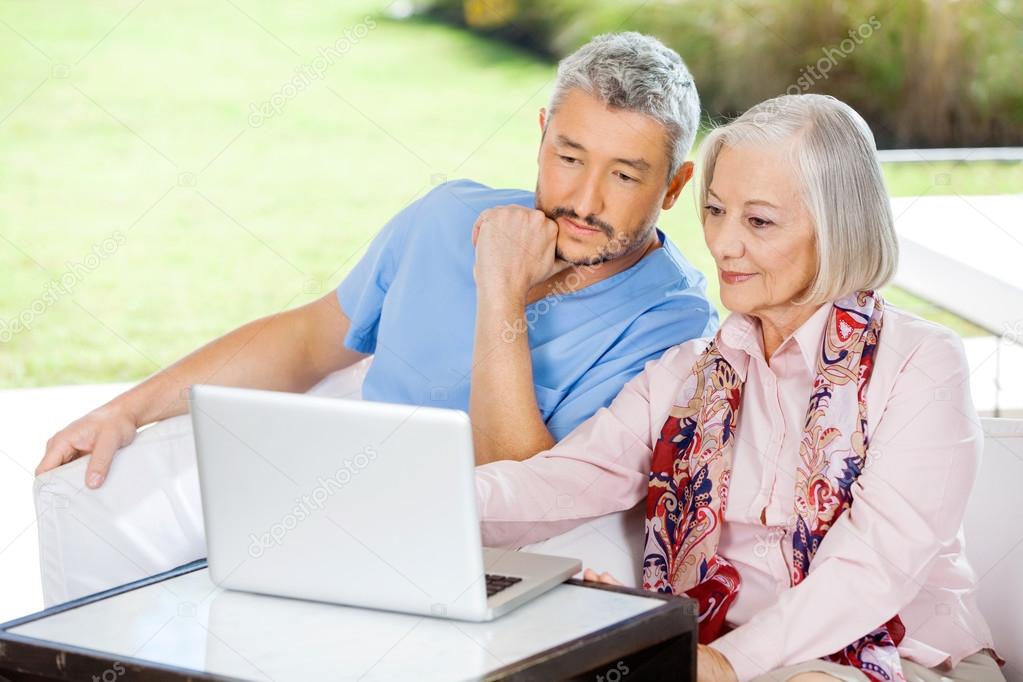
x: 147, y: 516
x: 145, y: 519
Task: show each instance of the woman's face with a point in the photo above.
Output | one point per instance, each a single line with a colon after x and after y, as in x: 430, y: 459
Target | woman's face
x: 758, y: 230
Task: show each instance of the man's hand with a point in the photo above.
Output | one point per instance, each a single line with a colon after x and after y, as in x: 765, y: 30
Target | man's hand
x: 712, y: 666
x: 100, y: 433
x: 514, y: 250
x: 288, y: 351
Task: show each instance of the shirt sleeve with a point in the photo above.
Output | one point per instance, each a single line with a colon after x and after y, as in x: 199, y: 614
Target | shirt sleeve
x: 600, y: 468
x: 690, y: 316
x: 364, y: 289
x: 908, y: 502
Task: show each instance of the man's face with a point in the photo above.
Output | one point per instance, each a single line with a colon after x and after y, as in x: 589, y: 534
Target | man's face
x: 602, y: 178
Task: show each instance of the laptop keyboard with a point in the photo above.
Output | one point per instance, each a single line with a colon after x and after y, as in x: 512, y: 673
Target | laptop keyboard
x: 496, y: 583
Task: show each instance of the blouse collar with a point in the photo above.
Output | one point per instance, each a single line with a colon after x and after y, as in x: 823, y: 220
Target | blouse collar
x: 740, y: 339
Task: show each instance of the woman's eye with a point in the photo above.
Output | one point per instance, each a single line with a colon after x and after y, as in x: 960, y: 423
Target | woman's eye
x: 759, y: 222
x: 713, y: 210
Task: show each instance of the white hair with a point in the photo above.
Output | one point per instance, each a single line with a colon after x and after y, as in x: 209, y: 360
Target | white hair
x: 638, y: 73
x: 844, y: 190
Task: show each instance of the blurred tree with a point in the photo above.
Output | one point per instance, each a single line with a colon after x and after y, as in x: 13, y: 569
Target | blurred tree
x: 924, y: 73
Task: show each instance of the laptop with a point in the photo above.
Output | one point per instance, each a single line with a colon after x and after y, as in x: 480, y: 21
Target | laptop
x: 352, y: 502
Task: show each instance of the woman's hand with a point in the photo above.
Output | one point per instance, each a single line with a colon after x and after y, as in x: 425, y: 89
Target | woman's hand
x: 606, y: 578
x: 712, y: 666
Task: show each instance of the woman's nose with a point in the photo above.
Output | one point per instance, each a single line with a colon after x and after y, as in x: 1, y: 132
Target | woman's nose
x: 724, y: 240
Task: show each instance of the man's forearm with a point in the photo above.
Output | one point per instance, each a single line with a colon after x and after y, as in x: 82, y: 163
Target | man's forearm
x: 264, y: 354
x: 506, y: 420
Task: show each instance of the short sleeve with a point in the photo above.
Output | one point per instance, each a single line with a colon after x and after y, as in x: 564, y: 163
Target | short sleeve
x: 689, y: 316
x: 364, y: 289
x: 602, y: 467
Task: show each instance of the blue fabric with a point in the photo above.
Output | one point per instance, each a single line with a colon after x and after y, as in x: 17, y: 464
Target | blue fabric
x: 412, y: 302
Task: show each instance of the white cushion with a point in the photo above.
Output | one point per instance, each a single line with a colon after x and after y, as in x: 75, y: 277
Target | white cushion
x: 146, y: 518
x: 994, y: 539
x: 612, y: 544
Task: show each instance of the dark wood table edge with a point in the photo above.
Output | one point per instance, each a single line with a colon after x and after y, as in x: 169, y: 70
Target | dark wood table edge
x: 66, y: 660
x: 676, y: 617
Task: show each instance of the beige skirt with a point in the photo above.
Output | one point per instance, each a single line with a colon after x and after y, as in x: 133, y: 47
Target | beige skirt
x: 978, y: 667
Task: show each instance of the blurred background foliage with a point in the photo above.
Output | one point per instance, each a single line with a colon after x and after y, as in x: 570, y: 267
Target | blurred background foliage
x: 134, y: 120
x: 938, y: 73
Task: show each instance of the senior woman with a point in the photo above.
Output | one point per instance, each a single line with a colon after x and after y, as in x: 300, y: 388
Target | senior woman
x: 806, y: 470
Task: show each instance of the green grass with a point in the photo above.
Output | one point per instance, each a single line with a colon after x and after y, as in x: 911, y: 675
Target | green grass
x: 278, y: 213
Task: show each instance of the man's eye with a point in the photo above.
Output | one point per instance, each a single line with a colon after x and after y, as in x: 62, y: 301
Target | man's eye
x: 626, y: 178
x: 569, y: 159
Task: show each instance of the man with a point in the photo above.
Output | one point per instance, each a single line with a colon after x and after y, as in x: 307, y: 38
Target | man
x: 528, y: 310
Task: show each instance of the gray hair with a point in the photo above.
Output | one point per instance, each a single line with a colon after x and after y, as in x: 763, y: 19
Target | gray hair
x: 638, y: 73
x: 843, y: 187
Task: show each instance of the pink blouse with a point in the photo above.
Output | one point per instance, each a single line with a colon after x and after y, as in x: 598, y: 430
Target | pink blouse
x: 899, y: 548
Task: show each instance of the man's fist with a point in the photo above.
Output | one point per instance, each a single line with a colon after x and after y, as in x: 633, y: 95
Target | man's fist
x: 514, y: 250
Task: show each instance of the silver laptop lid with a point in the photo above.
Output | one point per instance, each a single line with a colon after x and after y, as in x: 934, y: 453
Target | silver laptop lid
x: 352, y: 502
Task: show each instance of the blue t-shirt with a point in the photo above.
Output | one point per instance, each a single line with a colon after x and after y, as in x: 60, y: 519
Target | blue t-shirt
x: 412, y: 302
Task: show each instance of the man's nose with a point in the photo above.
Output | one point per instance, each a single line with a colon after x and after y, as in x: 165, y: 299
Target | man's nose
x: 588, y: 200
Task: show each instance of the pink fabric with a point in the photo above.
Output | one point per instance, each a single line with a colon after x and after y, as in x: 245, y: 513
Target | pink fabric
x: 899, y: 544
x: 692, y: 468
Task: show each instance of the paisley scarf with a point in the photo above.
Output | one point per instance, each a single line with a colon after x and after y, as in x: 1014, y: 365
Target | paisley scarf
x: 692, y: 465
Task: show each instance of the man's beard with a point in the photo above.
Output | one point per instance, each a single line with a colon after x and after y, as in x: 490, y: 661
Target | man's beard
x: 618, y: 244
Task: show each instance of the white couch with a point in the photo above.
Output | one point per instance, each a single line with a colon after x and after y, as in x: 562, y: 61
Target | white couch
x: 147, y: 518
